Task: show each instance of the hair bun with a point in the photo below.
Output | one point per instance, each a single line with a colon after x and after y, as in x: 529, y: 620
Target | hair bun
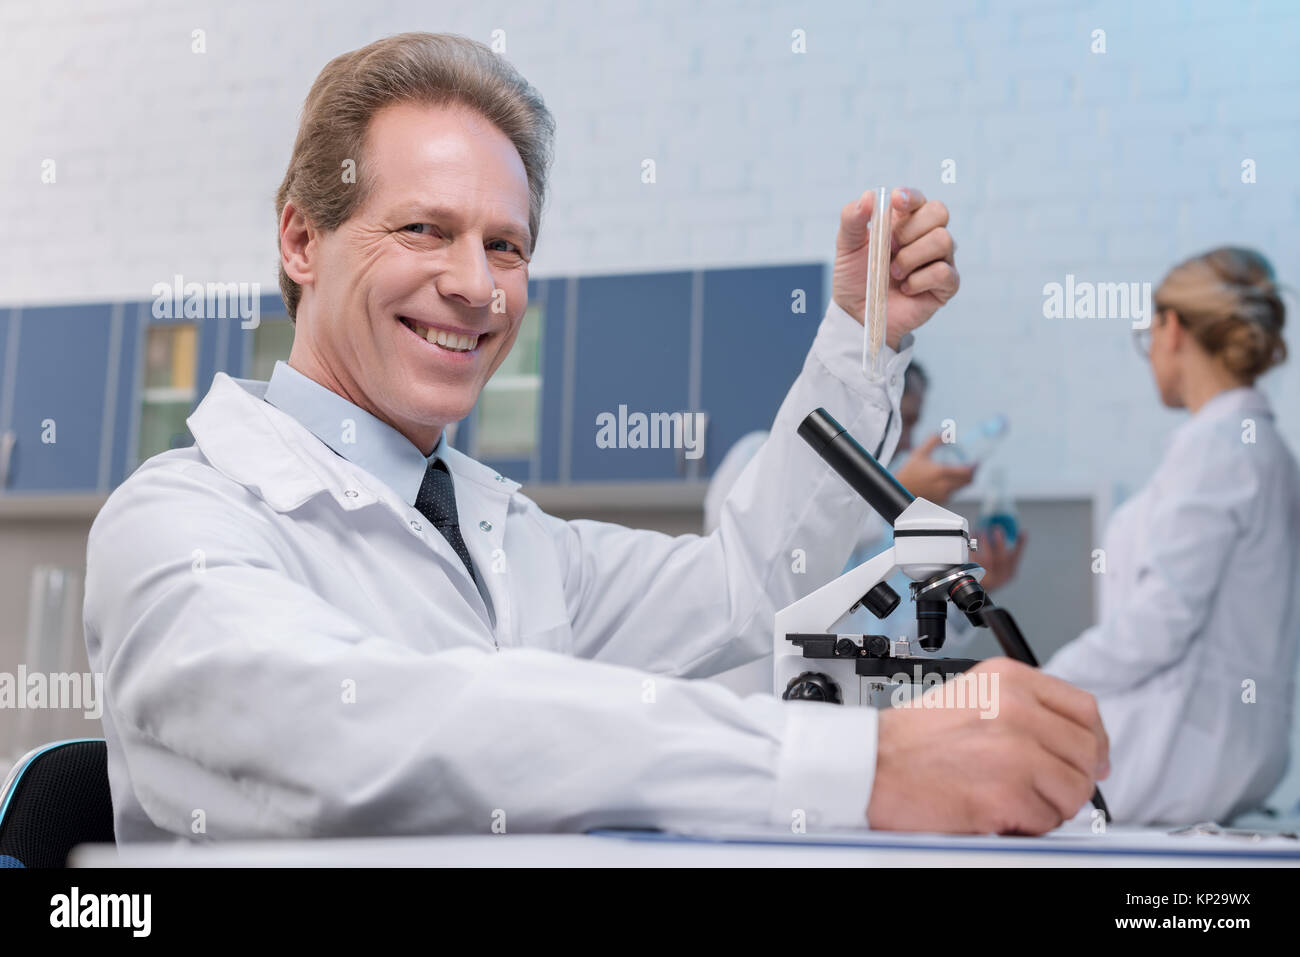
x: 1230, y: 301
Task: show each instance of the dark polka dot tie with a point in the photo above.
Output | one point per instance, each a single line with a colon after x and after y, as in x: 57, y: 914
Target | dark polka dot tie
x: 437, y: 503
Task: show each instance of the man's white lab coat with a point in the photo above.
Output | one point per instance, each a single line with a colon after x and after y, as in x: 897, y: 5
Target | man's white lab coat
x: 1193, y: 662
x: 289, y: 649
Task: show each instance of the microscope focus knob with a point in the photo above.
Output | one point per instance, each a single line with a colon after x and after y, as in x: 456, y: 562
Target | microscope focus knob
x: 812, y: 686
x: 881, y: 600
x: 876, y: 646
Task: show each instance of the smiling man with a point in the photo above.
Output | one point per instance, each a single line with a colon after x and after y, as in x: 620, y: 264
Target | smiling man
x: 323, y: 620
x: 416, y: 297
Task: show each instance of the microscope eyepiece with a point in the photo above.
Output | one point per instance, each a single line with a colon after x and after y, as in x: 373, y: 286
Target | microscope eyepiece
x: 855, y: 464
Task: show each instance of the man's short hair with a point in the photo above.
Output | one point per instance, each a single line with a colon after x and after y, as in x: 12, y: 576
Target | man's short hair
x: 434, y: 69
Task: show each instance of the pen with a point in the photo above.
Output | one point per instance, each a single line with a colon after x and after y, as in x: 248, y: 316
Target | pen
x: 1013, y: 644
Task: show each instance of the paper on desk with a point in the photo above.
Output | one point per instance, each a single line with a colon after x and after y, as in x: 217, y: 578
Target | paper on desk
x: 1076, y: 835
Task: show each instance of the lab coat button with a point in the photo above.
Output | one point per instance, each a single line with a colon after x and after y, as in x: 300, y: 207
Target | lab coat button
x: 485, y: 526
x: 417, y: 526
x: 350, y: 493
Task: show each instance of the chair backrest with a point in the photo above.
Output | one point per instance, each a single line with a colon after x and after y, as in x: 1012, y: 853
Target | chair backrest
x: 56, y: 797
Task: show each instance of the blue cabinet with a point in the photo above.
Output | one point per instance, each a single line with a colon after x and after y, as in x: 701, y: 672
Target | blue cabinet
x: 724, y: 342
x: 124, y: 377
x: 635, y: 341
x: 753, y: 346
x: 8, y: 367
x: 60, y: 406
x: 556, y: 359
x: 632, y: 349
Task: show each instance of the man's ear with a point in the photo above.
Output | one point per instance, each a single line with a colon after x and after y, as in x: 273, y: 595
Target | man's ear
x: 297, y: 244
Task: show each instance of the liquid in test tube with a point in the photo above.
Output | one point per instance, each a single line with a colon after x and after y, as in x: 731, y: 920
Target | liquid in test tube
x: 878, y: 247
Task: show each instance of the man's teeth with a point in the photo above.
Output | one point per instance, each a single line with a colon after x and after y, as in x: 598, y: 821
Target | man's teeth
x: 451, y: 341
x: 448, y: 340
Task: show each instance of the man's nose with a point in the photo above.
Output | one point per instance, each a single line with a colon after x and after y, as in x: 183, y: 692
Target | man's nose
x: 467, y: 276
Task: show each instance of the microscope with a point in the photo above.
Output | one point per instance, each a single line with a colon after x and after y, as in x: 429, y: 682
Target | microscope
x: 932, y: 547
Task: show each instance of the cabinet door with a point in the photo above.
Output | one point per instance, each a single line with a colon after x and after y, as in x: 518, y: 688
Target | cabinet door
x: 61, y: 412
x: 170, y: 351
x: 124, y: 377
x: 252, y: 350
x: 505, y: 430
x: 632, y: 350
x: 754, y: 344
x: 8, y: 373
x: 556, y: 375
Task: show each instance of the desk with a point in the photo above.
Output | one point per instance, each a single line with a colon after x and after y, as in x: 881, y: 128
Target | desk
x: 589, y: 850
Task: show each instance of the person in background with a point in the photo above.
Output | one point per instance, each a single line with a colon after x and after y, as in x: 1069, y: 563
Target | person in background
x: 1193, y: 660
x: 922, y: 475
x: 935, y: 481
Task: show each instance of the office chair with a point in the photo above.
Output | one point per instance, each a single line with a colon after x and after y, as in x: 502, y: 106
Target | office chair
x: 55, y: 798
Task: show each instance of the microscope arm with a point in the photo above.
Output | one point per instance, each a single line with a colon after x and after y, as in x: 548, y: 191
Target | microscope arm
x: 821, y: 609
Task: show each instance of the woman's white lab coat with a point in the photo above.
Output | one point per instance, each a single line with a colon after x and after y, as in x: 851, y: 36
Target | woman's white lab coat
x: 1193, y: 662
x: 290, y: 649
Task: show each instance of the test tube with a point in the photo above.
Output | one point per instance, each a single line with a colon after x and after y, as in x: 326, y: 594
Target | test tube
x: 878, y: 247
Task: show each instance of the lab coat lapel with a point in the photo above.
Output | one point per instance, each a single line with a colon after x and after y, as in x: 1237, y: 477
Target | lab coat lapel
x: 269, y: 452
x: 278, y: 459
x: 482, y: 507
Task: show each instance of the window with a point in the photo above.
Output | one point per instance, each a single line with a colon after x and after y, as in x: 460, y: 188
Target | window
x: 272, y: 340
x: 507, y: 423
x: 170, y: 369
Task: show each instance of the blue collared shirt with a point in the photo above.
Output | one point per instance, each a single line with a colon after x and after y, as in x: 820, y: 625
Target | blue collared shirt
x: 352, y: 432
x: 356, y: 435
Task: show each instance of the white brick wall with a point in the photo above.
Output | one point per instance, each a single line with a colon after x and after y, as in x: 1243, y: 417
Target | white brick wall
x: 1108, y: 166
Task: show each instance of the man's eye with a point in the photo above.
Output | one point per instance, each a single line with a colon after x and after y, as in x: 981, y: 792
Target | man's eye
x: 418, y: 227
x: 510, y: 247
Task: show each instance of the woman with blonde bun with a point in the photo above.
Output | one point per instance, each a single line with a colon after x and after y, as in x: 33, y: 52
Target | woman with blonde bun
x: 1193, y: 661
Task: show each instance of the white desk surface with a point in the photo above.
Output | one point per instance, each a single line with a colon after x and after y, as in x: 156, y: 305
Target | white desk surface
x: 1132, y: 849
